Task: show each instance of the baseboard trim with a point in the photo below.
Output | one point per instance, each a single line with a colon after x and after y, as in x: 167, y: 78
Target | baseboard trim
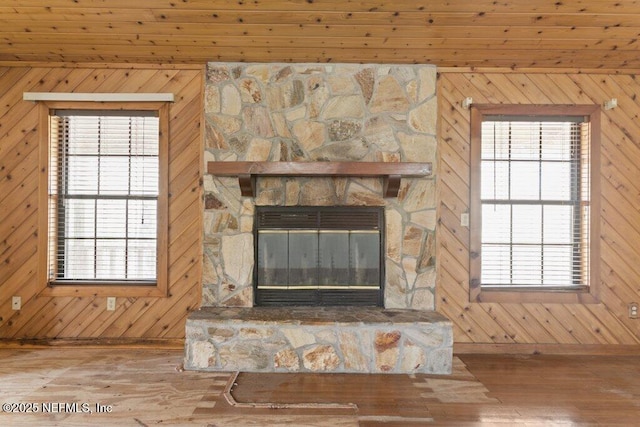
x: 142, y: 343
x: 559, y: 349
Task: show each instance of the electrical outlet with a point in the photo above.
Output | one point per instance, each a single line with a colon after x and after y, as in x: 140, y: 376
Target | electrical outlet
x: 633, y: 310
x: 464, y: 219
x: 16, y: 303
x: 111, y: 303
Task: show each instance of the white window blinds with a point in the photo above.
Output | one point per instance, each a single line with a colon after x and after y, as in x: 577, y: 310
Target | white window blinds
x: 103, y: 193
x: 535, y: 202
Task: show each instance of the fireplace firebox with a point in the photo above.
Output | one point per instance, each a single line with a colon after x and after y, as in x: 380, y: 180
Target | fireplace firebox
x: 319, y: 256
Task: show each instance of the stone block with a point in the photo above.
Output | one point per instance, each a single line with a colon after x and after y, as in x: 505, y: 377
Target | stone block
x: 355, y: 359
x: 321, y: 358
x: 414, y: 357
x: 202, y: 355
x: 248, y: 356
x: 288, y: 360
x: 310, y: 134
x: 298, y: 337
x: 387, y: 346
x: 237, y: 253
x: 250, y: 91
x: 389, y: 97
x: 231, y: 102
x: 423, y: 118
x: 257, y: 122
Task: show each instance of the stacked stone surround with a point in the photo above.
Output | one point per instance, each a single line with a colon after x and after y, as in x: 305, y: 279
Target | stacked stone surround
x: 320, y: 112
x: 316, y: 112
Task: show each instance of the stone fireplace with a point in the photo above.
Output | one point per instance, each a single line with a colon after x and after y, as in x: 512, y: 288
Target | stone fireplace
x: 319, y: 113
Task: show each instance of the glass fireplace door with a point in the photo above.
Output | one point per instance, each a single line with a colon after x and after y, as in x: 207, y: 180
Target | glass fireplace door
x: 364, y: 248
x: 312, y: 264
x: 334, y: 258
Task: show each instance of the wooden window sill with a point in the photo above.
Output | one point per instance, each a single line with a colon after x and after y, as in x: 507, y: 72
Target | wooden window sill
x: 581, y: 295
x: 99, y: 289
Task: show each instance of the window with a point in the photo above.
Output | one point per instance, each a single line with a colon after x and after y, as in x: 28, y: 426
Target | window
x: 534, y: 218
x: 106, y: 198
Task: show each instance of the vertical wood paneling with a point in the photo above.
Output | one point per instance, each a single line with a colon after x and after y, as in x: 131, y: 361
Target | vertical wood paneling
x: 604, y: 323
x: 86, y: 316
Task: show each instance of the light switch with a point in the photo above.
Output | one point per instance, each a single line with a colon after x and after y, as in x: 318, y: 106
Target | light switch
x: 464, y: 219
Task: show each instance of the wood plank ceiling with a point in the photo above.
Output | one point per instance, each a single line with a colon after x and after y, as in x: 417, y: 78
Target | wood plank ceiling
x: 577, y: 34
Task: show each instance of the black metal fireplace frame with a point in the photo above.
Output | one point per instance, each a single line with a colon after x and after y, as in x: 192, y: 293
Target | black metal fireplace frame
x: 326, y: 217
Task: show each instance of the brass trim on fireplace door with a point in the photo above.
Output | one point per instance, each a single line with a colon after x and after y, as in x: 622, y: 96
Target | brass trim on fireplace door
x: 316, y: 287
x: 319, y: 231
x: 350, y: 231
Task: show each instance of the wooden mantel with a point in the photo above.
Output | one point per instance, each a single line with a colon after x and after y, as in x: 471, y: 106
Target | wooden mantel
x: 391, y: 173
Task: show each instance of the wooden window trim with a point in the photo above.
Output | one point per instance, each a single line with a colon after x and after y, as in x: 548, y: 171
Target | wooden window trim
x: 160, y: 288
x: 585, y: 295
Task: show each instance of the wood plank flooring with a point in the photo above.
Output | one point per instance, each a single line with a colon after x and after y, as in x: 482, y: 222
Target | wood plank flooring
x: 143, y: 387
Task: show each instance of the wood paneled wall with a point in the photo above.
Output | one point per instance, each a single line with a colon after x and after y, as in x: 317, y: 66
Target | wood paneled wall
x: 492, y: 323
x: 86, y: 316
x: 488, y: 323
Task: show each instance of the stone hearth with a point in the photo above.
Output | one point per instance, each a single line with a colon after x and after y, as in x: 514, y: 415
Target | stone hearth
x: 311, y: 113
x: 357, y: 340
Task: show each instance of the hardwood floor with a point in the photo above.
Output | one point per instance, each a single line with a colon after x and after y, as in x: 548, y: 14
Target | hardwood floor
x: 142, y: 387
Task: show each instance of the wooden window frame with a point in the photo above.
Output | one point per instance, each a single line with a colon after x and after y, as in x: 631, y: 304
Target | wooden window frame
x: 584, y: 295
x: 160, y: 288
